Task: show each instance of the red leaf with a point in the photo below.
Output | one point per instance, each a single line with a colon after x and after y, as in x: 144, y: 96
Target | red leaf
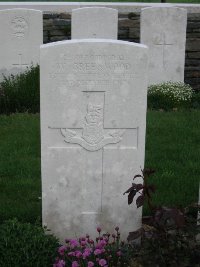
x: 140, y: 201
x: 138, y: 175
x: 131, y: 196
x: 134, y: 235
x: 139, y: 187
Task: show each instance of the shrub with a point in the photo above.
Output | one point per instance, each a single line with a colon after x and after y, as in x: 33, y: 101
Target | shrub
x: 169, y: 95
x: 26, y: 245
x: 106, y: 251
x: 20, y: 93
x: 168, y: 237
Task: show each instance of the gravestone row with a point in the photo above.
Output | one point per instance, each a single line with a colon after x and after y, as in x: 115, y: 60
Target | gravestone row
x: 93, y: 109
x: 162, y: 29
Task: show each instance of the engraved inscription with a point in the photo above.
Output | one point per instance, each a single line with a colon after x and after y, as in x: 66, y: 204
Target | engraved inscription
x: 93, y: 136
x: 101, y: 70
x: 93, y: 126
x: 19, y: 27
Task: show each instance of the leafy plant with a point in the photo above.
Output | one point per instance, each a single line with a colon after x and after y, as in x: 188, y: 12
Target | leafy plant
x: 20, y: 93
x: 169, y: 95
x: 26, y: 245
x: 106, y: 251
x: 144, y: 190
x: 168, y: 237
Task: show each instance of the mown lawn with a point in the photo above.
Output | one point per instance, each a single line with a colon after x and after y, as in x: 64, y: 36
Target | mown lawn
x: 172, y: 148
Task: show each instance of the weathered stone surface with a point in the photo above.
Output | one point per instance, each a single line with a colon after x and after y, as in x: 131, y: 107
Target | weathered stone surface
x: 193, y: 74
x: 193, y: 35
x: 164, y: 31
x: 194, y: 55
x: 134, y: 33
x: 65, y: 16
x: 61, y: 22
x: 94, y: 22
x: 58, y: 38
x: 123, y: 34
x: 21, y: 37
x: 93, y: 116
x: 57, y: 33
x: 128, y: 33
x: 193, y: 25
x: 48, y: 15
x: 193, y: 44
x: 129, y: 23
x: 192, y: 62
x: 193, y: 16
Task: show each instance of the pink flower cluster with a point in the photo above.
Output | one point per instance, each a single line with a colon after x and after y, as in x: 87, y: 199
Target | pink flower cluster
x: 88, y: 253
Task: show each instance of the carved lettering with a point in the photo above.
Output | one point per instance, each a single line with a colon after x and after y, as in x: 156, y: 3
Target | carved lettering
x: 19, y: 27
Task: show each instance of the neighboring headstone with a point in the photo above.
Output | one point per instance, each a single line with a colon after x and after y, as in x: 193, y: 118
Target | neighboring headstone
x: 21, y: 34
x: 93, y: 117
x: 163, y: 30
x: 94, y: 22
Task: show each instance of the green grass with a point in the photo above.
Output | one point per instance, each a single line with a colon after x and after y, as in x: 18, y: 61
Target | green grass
x: 172, y: 148
x: 20, y: 183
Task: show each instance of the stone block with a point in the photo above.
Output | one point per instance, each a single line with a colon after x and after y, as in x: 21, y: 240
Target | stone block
x: 93, y: 117
x: 58, y: 38
x: 163, y: 30
x: 61, y: 22
x: 94, y: 22
x: 193, y: 44
x: 21, y: 34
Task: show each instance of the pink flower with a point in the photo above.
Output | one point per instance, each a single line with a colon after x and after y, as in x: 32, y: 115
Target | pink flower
x: 102, y: 262
x: 78, y: 254
x: 72, y: 253
x: 90, y: 264
x: 74, y: 243
x: 90, y: 241
x: 99, y: 229
x: 59, y: 263
x: 97, y: 251
x: 62, y: 250
x: 87, y: 252
x: 101, y: 244
x: 75, y: 264
x: 83, y: 243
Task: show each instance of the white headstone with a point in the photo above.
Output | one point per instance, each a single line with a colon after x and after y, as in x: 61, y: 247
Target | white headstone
x: 163, y: 30
x: 94, y: 22
x: 93, y: 117
x: 21, y: 34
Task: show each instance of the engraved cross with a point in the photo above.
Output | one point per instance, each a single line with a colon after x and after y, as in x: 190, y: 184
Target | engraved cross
x: 96, y: 140
x: 20, y: 64
x: 164, y: 44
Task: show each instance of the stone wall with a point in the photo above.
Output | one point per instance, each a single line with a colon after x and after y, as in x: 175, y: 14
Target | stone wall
x: 57, y: 27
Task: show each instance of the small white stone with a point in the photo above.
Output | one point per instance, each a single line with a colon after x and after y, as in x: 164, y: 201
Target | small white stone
x: 21, y: 34
x: 94, y: 22
x: 163, y: 30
